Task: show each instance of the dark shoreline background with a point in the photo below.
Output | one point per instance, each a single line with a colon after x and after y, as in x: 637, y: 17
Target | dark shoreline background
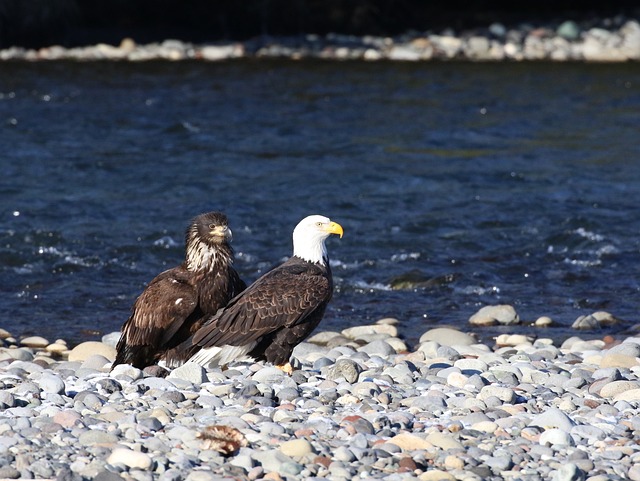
x: 40, y: 23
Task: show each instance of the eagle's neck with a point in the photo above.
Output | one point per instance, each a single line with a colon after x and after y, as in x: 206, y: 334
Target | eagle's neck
x: 312, y: 250
x: 202, y: 257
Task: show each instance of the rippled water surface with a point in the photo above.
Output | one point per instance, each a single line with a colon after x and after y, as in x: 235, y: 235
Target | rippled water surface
x: 485, y: 183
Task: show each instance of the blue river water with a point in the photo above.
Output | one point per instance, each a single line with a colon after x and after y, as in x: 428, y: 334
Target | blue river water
x: 486, y: 183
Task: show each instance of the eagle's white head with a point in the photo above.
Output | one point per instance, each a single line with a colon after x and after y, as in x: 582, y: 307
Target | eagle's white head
x: 309, y: 236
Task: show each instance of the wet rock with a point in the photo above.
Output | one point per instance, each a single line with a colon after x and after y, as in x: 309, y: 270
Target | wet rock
x: 492, y: 315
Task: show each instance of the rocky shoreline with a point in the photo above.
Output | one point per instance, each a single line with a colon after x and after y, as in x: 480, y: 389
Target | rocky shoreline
x: 609, y: 40
x: 361, y: 404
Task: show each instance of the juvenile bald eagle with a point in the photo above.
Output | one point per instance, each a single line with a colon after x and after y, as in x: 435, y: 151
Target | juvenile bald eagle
x: 175, y: 303
x: 279, y: 310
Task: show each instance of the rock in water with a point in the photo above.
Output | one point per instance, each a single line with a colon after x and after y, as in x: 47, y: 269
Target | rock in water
x: 492, y: 315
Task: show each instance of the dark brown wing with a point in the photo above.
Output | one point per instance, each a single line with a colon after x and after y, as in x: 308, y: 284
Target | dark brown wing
x: 157, y: 315
x: 283, y: 297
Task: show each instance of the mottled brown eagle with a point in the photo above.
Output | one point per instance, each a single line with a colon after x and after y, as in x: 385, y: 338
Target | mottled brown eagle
x: 279, y: 310
x: 177, y: 302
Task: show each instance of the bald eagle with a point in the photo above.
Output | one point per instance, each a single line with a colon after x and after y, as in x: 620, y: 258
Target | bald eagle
x: 175, y: 303
x: 279, y: 310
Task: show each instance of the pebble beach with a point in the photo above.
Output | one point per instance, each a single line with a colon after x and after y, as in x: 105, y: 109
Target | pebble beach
x: 361, y: 404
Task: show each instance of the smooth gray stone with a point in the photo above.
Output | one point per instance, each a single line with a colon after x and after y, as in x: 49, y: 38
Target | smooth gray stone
x: 553, y: 418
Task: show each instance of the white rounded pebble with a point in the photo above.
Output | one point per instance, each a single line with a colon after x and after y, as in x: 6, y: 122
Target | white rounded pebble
x: 190, y: 371
x: 269, y: 375
x: 34, y: 341
x: 56, y: 348
x: 632, y: 395
x: 127, y: 370
x: 410, y: 442
x: 615, y: 388
x: 555, y: 437
x: 51, y: 383
x: 131, y: 459
x: 543, y: 321
x: 447, y: 337
x: 296, y: 448
x: 444, y: 441
x: 97, y: 362
x: 357, y: 332
x: 553, y: 418
x: 111, y: 339
x: 499, y: 314
x: 82, y: 351
x: 457, y: 379
x: 513, y: 340
x: 505, y: 394
x: 471, y: 366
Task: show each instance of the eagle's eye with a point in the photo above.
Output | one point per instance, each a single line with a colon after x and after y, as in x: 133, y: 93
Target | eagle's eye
x: 319, y: 224
x: 212, y: 226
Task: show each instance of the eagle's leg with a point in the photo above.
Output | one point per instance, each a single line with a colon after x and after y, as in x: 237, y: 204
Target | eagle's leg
x: 286, y: 368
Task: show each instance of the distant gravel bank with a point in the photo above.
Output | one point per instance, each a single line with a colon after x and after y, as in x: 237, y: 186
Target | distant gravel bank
x: 613, y: 40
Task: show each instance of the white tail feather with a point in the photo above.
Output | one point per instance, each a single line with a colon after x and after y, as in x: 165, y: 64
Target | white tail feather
x: 213, y: 357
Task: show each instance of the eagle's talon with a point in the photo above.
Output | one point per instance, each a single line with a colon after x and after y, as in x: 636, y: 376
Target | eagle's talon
x: 286, y: 368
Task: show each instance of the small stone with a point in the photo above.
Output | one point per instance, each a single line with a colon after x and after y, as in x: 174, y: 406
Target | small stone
x: 513, y: 340
x: 269, y: 375
x: 569, y: 472
x: 82, y: 351
x: 130, y: 458
x: 190, y: 371
x: 615, y: 388
x: 568, y: 30
x: 97, y: 362
x: 490, y: 315
x: 444, y: 441
x: 632, y: 395
x: 344, y: 368
x: 57, y: 348
x: 96, y: 437
x: 67, y: 419
x: 410, y: 442
x: 51, y: 383
x: 7, y: 400
x: 505, y: 394
x: 297, y: 448
x: 35, y: 341
x: 122, y: 371
x: 553, y: 418
x: 453, y: 462
x: 436, y: 475
x: 111, y: 339
x: 555, y: 437
x: 358, y: 332
x: 447, y: 337
x: 618, y: 360
x: 221, y: 52
x: 543, y: 321
x: 9, y: 472
x: 378, y: 348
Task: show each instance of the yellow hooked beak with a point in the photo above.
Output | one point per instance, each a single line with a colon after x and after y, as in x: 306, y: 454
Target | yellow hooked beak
x: 335, y: 228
